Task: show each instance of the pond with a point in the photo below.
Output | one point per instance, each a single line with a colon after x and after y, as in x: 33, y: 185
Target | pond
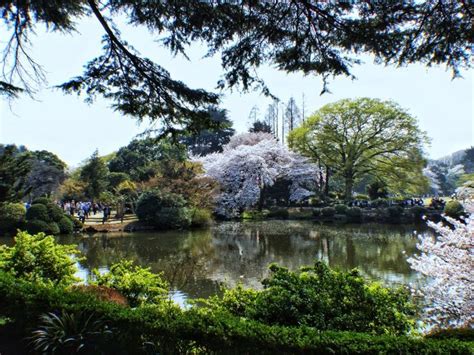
x: 198, y: 262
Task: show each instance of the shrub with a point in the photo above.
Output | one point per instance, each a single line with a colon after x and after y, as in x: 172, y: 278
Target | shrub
x: 340, y: 209
x: 417, y: 212
x: 75, y: 332
x: 37, y: 211
x: 170, y: 330
x: 453, y: 209
x: 139, y: 285
x: 12, y: 216
x: 55, y: 212
x: 380, y: 202
x: 324, y: 299
x: 354, y: 214
x: 52, y: 229
x: 316, y: 212
x: 76, y: 223
x: 39, y: 258
x: 163, y: 210
x: 377, y: 190
x: 66, y: 226
x: 255, y: 214
x: 36, y: 226
x: 328, y: 211
x: 41, y: 200
x: 201, y: 217
x: 361, y: 197
x: 394, y: 213
x: 279, y: 213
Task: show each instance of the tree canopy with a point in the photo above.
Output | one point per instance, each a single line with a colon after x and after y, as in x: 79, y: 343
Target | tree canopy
x: 361, y: 137
x: 322, y: 38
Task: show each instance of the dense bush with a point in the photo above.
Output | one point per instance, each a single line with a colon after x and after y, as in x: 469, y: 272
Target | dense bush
x: 417, y: 212
x: 377, y: 190
x: 55, y: 212
x: 341, y: 209
x: 316, y: 212
x: 169, y: 330
x: 163, y: 210
x: 39, y: 258
x: 354, y: 214
x: 361, y: 197
x: 201, y: 217
x: 255, y: 214
x: 453, y: 209
x: 322, y: 298
x: 136, y: 283
x: 37, y: 226
x: 38, y: 212
x: 41, y: 201
x: 12, y: 216
x: 328, y: 211
x: 394, y: 214
x: 380, y: 202
x: 66, y: 225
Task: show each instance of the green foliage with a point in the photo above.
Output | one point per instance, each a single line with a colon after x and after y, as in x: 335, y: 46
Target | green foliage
x: 170, y: 330
x: 72, y: 333
x: 361, y: 197
x: 354, y: 215
x: 36, y: 226
x: 380, y: 202
x: 255, y: 214
x: 38, y: 212
x: 453, y: 209
x: 394, y: 213
x: 94, y: 173
x: 377, y: 189
x: 39, y: 258
x: 316, y: 212
x: 163, y: 210
x: 41, y: 200
x: 55, y: 212
x: 137, y: 284
x: 452, y: 333
x: 12, y: 216
x: 340, y: 209
x: 201, y: 217
x: 325, y: 299
x: 66, y: 225
x: 52, y: 229
x: 116, y: 178
x: 365, y: 137
x: 328, y: 211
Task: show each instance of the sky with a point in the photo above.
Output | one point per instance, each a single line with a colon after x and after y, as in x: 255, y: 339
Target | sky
x: 72, y: 129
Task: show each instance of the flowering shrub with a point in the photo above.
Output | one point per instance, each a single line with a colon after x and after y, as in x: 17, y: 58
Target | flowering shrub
x: 448, y: 261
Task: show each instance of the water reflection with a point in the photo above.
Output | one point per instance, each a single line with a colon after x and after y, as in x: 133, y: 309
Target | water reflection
x: 197, y: 262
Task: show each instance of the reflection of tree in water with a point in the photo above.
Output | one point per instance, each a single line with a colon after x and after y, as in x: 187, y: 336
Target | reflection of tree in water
x: 196, y: 262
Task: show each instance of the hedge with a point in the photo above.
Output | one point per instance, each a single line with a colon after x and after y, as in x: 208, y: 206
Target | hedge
x: 168, y: 329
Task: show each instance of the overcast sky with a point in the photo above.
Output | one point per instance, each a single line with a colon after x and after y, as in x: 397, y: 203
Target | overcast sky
x: 72, y: 129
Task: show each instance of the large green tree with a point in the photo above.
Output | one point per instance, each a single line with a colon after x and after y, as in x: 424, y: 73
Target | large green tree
x: 95, y: 174
x: 324, y: 38
x: 361, y: 137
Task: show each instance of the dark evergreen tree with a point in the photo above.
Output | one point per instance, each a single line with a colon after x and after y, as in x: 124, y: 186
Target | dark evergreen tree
x: 324, y: 38
x: 211, y: 140
x: 260, y: 126
x: 94, y: 174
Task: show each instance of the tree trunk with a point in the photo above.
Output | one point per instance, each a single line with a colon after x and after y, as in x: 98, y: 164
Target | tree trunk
x: 349, y: 186
x: 326, y: 183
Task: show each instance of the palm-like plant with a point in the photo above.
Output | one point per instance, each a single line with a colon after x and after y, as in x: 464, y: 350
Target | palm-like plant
x: 70, y: 333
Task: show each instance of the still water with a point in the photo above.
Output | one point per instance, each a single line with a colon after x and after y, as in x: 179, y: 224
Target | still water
x: 198, y: 262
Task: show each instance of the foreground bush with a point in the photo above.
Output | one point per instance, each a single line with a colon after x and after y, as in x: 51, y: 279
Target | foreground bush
x: 166, y: 329
x: 163, y: 210
x: 322, y: 298
x: 39, y: 258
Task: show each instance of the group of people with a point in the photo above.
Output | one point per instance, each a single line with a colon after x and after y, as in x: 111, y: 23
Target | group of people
x: 83, y: 209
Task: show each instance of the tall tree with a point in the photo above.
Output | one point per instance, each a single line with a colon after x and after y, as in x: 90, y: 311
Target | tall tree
x: 322, y: 38
x: 355, y: 138
x: 211, y: 140
x: 292, y: 115
x: 14, y: 169
x: 260, y: 126
x: 94, y: 174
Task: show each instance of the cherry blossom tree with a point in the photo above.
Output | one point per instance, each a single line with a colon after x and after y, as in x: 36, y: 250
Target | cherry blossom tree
x: 252, y: 162
x: 448, y: 262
